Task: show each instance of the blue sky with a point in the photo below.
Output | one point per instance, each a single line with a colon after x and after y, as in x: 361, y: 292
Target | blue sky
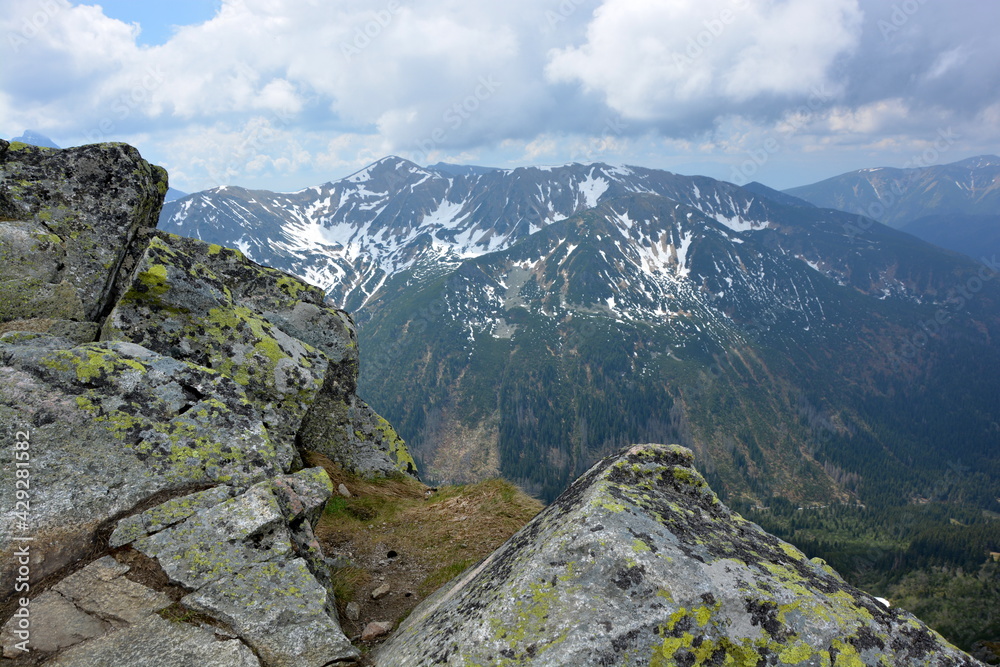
x: 159, y: 20
x: 285, y: 94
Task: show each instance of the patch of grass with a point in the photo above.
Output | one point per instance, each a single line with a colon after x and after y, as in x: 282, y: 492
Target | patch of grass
x: 347, y: 581
x: 178, y: 613
x: 443, y: 575
x: 433, y: 535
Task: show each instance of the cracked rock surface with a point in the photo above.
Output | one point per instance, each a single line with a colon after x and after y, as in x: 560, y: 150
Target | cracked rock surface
x: 639, y: 563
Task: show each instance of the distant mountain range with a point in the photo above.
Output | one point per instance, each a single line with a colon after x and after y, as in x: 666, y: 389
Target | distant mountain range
x: 35, y: 139
x: 536, y: 319
x: 955, y: 206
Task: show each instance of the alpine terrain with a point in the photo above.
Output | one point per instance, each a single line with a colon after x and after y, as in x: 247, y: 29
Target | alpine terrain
x: 955, y: 206
x: 836, y: 378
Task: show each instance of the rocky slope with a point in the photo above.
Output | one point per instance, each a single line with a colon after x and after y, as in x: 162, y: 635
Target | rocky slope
x: 639, y: 563
x: 157, y: 395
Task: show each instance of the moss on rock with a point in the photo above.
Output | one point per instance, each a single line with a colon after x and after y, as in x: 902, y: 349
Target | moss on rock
x: 89, y: 211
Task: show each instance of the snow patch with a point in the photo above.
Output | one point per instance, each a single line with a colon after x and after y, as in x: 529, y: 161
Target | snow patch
x: 592, y: 189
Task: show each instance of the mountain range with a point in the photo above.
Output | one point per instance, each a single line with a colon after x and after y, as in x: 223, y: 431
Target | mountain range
x: 544, y: 316
x: 952, y: 205
x: 836, y: 379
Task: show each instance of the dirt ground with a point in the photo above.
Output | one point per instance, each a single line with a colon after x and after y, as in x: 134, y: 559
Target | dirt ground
x: 411, y: 538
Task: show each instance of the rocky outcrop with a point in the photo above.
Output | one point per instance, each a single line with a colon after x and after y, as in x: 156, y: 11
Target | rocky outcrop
x: 639, y: 563
x: 111, y: 425
x: 153, y: 391
x: 271, y: 333
x: 72, y: 224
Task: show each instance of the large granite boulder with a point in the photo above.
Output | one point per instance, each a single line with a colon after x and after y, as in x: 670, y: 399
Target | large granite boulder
x: 71, y: 222
x: 639, y: 563
x: 270, y: 332
x: 346, y: 429
x: 252, y: 563
x: 163, y: 443
x: 109, y: 426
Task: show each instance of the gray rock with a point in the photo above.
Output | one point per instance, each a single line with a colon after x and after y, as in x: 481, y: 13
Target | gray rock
x: 267, y: 330
x: 639, y: 563
x: 381, y: 592
x: 56, y: 623
x: 70, y: 222
x: 280, y: 610
x: 345, y: 429
x: 185, y: 301
x: 254, y: 564
x: 75, y: 332
x: 353, y: 611
x: 158, y: 643
x: 100, y: 589
x: 129, y: 424
x: 342, y: 490
x: 166, y: 514
x: 222, y: 540
x: 85, y: 605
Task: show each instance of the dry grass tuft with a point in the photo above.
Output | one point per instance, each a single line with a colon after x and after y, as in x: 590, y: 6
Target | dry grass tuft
x: 415, y: 539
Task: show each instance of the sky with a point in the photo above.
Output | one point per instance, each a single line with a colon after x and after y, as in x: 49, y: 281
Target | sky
x: 286, y: 94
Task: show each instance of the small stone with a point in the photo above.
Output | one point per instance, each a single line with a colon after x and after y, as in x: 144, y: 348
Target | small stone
x: 342, y: 490
x: 380, y: 592
x: 353, y: 611
x: 376, y: 629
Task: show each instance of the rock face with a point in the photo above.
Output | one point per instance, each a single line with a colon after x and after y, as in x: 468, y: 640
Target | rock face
x: 72, y: 223
x: 639, y: 563
x: 154, y: 392
x: 111, y: 425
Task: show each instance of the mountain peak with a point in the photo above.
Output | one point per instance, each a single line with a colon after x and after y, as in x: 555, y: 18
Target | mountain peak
x: 35, y: 139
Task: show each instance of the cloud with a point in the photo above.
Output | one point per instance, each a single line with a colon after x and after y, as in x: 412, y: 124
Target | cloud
x: 685, y: 64
x: 264, y: 89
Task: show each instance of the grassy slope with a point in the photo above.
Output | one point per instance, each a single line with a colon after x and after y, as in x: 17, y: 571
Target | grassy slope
x: 413, y: 538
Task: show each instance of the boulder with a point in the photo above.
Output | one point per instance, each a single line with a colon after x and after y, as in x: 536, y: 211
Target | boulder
x: 270, y: 332
x: 71, y: 223
x: 109, y: 426
x: 185, y: 301
x: 639, y: 563
x: 344, y: 428
x: 87, y: 604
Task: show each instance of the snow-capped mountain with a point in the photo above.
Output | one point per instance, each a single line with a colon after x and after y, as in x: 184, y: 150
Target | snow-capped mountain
x: 525, y: 322
x: 351, y: 235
